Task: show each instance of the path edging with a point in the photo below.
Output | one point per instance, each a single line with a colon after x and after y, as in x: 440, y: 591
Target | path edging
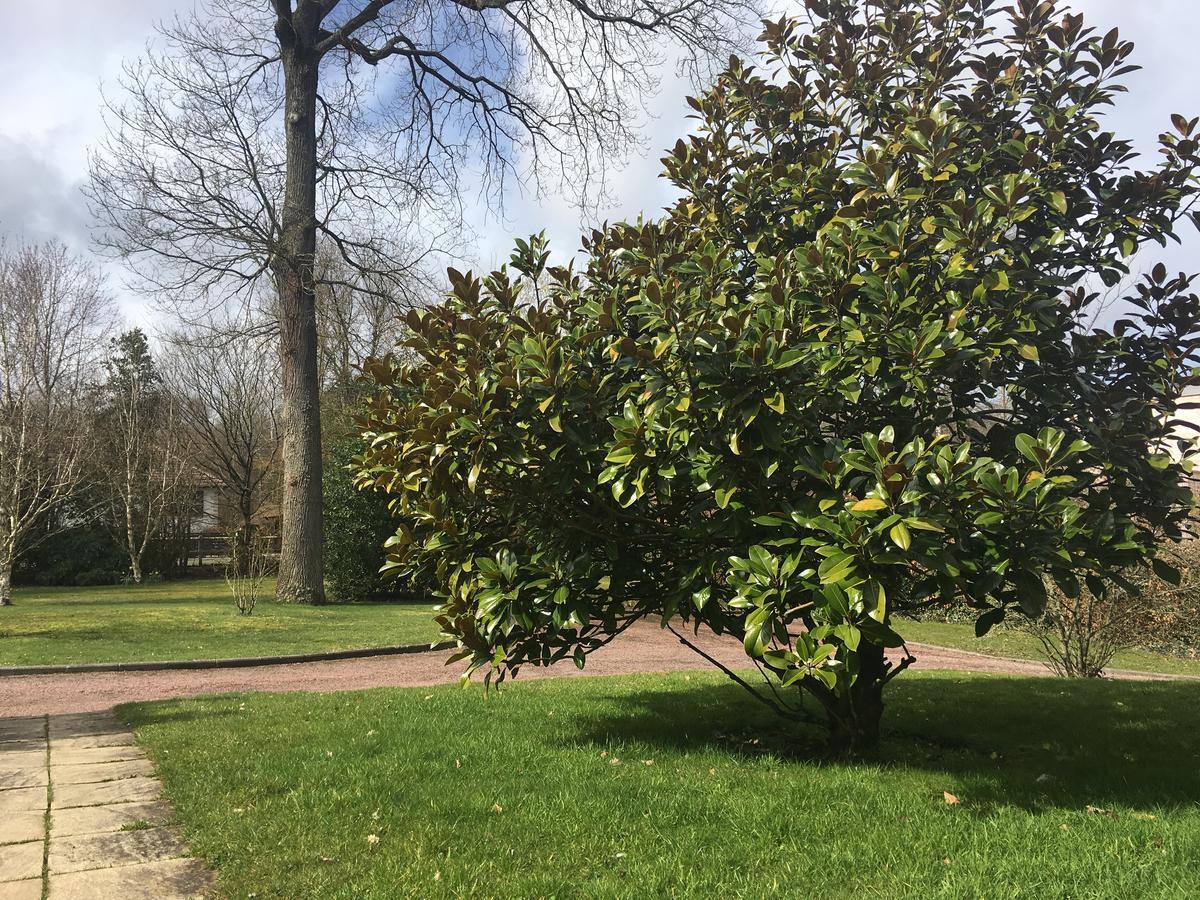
x: 239, y: 662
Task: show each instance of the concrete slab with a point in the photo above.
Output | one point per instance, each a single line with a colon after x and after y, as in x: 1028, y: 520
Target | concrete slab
x: 93, y: 755
x: 175, y: 879
x: 19, y: 827
x: 19, y: 862
x: 84, y: 741
x: 10, y: 735
x: 26, y: 759
x: 23, y: 800
x: 97, y: 772
x: 31, y: 745
x: 29, y: 889
x: 115, y: 816
x: 22, y: 728
x: 24, y: 777
x: 69, y: 726
x: 120, y: 848
x: 126, y: 790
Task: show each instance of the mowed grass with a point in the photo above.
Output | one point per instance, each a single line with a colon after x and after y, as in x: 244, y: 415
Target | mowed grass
x: 1017, y: 643
x: 652, y: 786
x: 190, y: 620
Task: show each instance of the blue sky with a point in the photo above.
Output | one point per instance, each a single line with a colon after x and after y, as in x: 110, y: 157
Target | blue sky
x: 54, y: 54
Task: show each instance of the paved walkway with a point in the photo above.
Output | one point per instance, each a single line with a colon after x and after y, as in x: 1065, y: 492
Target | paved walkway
x: 82, y: 777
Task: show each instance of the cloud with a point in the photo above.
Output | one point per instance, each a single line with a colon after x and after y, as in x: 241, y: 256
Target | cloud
x: 38, y: 201
x: 55, y: 53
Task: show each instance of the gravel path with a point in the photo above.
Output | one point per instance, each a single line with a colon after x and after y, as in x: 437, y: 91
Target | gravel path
x: 643, y: 648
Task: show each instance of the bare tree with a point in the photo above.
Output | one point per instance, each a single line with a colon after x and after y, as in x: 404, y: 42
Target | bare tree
x: 259, y: 128
x: 230, y: 390
x: 141, y: 458
x: 354, y: 325
x: 248, y: 568
x: 54, y: 319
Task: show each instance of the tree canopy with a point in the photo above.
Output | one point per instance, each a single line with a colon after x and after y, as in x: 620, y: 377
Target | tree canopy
x: 851, y: 372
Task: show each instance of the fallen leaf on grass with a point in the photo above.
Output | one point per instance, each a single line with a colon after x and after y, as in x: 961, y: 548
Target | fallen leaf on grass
x: 497, y: 808
x: 1143, y: 817
x: 950, y: 799
x: 1097, y: 811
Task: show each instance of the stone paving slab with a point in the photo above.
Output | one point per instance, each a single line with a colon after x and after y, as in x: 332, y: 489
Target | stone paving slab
x: 19, y: 862
x: 87, y: 741
x: 24, y: 759
x: 23, y: 800
x: 29, y: 889
x: 19, y: 827
x: 93, y: 755
x: 120, y: 848
x: 24, y: 778
x: 90, y: 773
x: 110, y: 834
x: 23, y: 729
x: 174, y: 879
x: 113, y: 817
x: 33, y: 745
x: 84, y: 728
x: 124, y: 791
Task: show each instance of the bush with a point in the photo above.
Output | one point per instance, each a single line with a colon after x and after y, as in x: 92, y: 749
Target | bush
x: 357, y: 524
x: 91, y: 578
x: 1155, y: 609
x: 79, y: 555
x: 850, y: 372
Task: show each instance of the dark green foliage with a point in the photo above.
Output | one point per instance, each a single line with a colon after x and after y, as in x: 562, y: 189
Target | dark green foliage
x: 848, y: 374
x: 80, y: 555
x: 357, y: 524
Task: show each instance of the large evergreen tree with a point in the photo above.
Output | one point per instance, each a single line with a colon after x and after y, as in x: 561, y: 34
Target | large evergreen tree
x: 848, y: 374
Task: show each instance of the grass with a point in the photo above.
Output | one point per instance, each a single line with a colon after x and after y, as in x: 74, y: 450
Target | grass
x: 190, y: 620
x: 1017, y: 643
x: 644, y: 786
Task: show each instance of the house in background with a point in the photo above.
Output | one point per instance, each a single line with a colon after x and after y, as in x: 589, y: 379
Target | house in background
x: 207, y: 516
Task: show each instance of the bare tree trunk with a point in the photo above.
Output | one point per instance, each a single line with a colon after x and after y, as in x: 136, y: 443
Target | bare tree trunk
x: 6, y: 568
x: 301, y: 570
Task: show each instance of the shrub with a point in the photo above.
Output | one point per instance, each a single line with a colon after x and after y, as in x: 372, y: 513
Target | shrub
x: 79, y: 555
x: 1156, y: 610
x: 849, y: 373
x: 357, y: 524
x: 249, y: 565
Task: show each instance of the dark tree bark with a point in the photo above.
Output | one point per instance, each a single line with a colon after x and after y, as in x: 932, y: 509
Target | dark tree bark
x: 301, y: 566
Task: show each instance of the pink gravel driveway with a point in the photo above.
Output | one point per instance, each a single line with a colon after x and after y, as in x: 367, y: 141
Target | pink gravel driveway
x: 644, y: 648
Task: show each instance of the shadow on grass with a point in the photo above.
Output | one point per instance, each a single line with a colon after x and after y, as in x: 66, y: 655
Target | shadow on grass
x: 1035, y: 743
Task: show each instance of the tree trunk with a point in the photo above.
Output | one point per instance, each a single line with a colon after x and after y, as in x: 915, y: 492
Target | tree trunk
x: 301, y: 569
x: 6, y: 567
x: 135, y: 567
x: 244, y: 542
x: 855, y: 716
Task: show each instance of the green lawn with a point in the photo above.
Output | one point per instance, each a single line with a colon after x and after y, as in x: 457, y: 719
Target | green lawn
x: 1019, y: 644
x: 190, y: 620
x: 644, y: 786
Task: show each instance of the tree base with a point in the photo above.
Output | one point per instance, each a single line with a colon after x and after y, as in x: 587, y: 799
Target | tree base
x: 285, y: 593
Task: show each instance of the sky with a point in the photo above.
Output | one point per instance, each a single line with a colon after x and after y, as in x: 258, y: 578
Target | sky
x: 56, y: 54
